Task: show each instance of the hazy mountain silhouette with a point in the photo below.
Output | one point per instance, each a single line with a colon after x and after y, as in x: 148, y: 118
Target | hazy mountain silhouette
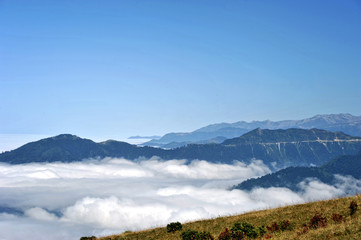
x: 346, y: 123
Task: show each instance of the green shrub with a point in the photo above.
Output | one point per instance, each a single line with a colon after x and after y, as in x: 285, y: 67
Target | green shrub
x: 174, y: 226
x: 205, y: 236
x: 353, y: 207
x: 241, y: 229
x: 261, y: 231
x: 189, y: 235
x: 194, y: 235
x: 88, y: 238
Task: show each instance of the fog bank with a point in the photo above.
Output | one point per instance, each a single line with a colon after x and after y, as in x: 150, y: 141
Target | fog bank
x: 70, y: 200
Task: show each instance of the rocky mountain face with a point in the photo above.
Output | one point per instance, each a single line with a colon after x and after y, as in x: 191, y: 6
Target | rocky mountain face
x: 277, y: 148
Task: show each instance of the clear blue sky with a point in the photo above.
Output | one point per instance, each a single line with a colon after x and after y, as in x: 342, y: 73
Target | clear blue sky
x: 112, y: 69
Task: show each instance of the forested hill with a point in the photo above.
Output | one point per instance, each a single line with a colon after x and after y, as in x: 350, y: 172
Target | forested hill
x: 70, y: 148
x: 346, y: 165
x: 277, y: 148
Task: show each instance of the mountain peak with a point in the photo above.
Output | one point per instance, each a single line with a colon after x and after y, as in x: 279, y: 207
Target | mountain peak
x: 65, y: 136
x: 259, y: 131
x: 333, y: 118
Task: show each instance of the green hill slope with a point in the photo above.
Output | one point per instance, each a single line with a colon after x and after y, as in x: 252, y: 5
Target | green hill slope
x: 330, y: 220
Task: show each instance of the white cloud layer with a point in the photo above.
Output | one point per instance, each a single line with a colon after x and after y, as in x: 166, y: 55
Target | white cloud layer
x: 70, y: 200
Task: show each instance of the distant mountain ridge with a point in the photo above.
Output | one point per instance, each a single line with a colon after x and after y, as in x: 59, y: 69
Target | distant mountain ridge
x: 346, y: 165
x: 277, y: 149
x: 346, y: 123
x: 144, y: 137
x: 290, y: 135
x: 182, y: 139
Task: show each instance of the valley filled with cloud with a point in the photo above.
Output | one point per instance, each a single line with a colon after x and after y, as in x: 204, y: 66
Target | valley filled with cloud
x: 105, y: 196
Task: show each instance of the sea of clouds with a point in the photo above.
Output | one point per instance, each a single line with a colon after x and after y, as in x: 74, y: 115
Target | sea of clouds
x: 102, y: 197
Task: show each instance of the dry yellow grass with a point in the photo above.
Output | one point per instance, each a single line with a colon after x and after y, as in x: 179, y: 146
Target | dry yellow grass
x: 298, y: 215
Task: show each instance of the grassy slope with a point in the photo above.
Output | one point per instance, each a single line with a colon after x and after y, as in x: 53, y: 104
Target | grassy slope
x: 296, y: 214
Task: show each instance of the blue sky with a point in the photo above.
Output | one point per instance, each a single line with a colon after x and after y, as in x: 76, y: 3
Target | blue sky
x: 112, y: 69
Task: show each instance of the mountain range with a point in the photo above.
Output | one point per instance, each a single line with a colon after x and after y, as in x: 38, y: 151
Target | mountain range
x: 277, y: 148
x: 217, y: 133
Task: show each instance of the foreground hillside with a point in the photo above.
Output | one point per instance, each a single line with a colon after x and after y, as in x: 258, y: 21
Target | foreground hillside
x: 316, y: 220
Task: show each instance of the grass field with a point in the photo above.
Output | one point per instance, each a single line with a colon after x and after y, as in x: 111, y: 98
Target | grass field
x: 347, y: 227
